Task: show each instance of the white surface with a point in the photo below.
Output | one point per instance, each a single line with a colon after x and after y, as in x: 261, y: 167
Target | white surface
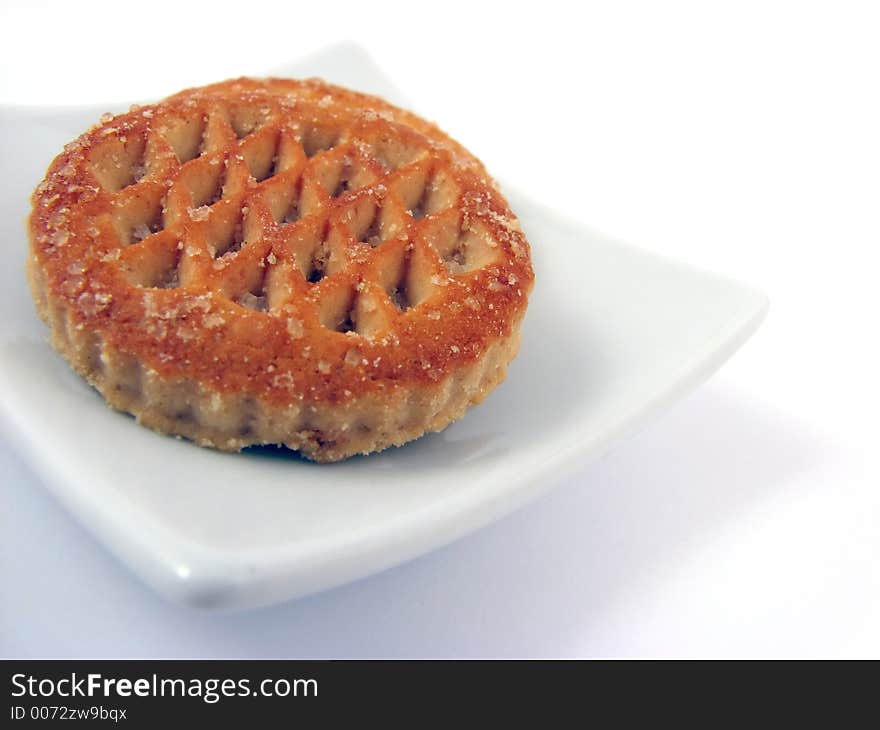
x: 743, y: 522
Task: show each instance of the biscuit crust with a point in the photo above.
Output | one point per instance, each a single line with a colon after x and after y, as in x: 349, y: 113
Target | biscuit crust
x: 272, y: 261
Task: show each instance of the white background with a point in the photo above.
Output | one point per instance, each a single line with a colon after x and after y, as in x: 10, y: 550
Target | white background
x: 742, y: 137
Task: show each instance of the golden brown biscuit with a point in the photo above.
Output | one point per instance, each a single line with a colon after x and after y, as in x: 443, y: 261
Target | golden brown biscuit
x: 279, y: 262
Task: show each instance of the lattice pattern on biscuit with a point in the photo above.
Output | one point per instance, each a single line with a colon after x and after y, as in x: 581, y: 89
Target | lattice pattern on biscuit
x: 339, y: 218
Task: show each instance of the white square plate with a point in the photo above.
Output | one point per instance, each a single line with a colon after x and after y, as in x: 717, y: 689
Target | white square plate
x: 613, y: 335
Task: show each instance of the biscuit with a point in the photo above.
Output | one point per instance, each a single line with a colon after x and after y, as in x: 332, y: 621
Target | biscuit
x: 274, y: 261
